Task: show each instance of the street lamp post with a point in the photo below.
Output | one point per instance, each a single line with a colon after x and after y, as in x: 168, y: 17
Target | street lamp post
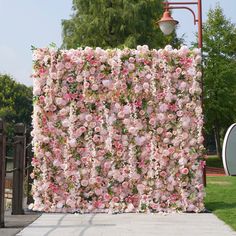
x: 167, y: 24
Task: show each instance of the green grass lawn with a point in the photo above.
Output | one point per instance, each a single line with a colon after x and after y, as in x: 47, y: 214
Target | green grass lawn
x: 221, y: 198
x: 214, y: 161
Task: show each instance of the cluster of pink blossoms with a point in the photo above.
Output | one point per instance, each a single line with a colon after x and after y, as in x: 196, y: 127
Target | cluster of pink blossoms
x: 117, y: 130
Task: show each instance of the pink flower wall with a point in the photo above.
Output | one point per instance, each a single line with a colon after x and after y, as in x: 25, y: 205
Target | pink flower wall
x: 117, y: 130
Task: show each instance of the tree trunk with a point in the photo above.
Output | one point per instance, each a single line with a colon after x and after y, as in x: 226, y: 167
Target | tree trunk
x: 217, y: 141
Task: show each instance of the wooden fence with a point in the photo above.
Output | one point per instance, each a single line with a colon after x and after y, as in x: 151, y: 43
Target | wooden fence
x: 22, y: 157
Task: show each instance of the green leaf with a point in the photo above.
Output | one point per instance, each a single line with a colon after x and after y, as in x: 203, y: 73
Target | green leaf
x: 129, y: 85
x: 122, y: 100
x: 98, y: 169
x: 52, y: 45
x: 35, y: 98
x: 144, y: 104
x: 135, y: 190
x: 143, y: 206
x: 139, y: 170
x: 33, y: 48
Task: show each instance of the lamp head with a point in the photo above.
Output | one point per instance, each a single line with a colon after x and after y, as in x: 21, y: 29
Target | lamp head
x: 167, y: 24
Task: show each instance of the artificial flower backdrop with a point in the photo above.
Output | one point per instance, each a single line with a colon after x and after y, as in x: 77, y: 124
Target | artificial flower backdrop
x: 117, y: 130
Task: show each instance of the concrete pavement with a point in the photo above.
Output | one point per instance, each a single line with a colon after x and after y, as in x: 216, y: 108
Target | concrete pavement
x: 203, y: 224
x: 15, y: 223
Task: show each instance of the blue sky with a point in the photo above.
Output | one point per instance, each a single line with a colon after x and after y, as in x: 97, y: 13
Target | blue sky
x: 38, y: 22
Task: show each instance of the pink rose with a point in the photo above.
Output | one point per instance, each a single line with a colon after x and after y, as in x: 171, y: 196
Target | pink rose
x: 65, y: 123
x: 132, y: 130
x: 119, y: 153
x: 140, y: 188
x: 107, y: 165
x: 117, y: 106
x: 184, y: 171
x: 131, y: 67
x: 178, y: 70
x: 67, y: 97
x: 127, y: 109
x: 60, y: 204
x: 88, y: 117
x: 160, y: 130
x: 94, y: 87
x: 131, y: 60
x: 125, y: 184
x: 60, y: 101
x: 79, y: 78
x: 171, y: 150
x: 97, y: 129
x: 107, y: 197
x: 140, y: 140
x: 82, y: 129
x: 163, y: 107
x: 152, y: 121
x: 142, y: 112
x: 121, y: 178
x: 145, y: 85
x: 179, y: 113
x: 86, y: 84
x: 98, y: 191
x: 161, y: 117
x: 70, y: 203
x: 163, y: 174
x: 171, y: 116
x: 99, y: 204
x: 70, y: 79
x: 115, y: 199
x: 98, y: 179
x: 52, y: 107
x: 73, y: 142
x: 121, y: 114
x: 84, y: 182
x: 68, y: 65
x: 96, y: 138
x: 166, y: 152
x: 106, y: 83
x: 166, y: 140
x: 41, y: 98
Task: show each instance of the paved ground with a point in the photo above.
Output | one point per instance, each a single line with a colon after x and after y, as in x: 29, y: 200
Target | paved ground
x: 203, y: 224
x: 14, y: 224
x: 215, y: 171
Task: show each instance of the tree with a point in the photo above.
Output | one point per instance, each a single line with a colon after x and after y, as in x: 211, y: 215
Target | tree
x: 219, y: 48
x: 15, y: 102
x: 115, y: 23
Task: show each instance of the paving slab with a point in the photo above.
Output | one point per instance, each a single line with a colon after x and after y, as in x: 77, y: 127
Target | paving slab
x: 183, y: 224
